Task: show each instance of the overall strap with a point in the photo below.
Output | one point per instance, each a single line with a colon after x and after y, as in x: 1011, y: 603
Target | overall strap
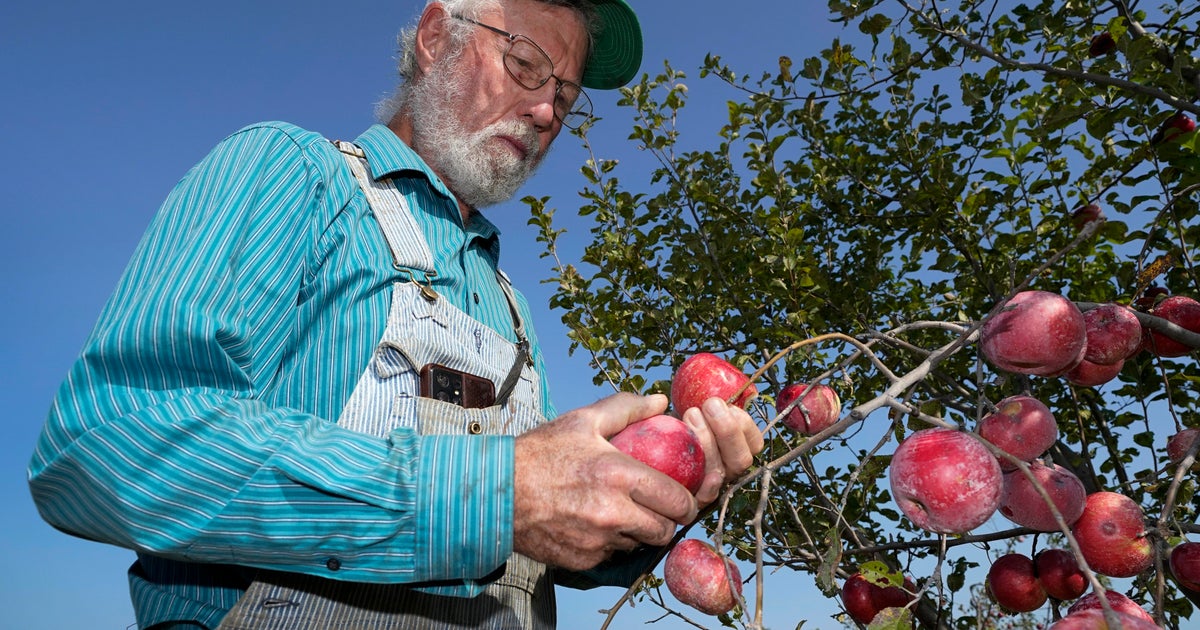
x: 410, y: 252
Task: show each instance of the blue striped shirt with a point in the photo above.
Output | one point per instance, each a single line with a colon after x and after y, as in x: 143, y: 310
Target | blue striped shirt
x: 198, y: 425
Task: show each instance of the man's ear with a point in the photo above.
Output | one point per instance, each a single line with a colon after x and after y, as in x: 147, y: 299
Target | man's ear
x: 432, y: 35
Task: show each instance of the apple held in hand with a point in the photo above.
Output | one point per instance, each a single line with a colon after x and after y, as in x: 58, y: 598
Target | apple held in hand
x: 819, y: 408
x: 1013, y: 584
x: 1060, y: 574
x: 1111, y: 535
x: 1185, y: 565
x: 1021, y: 426
x: 1113, y: 334
x: 699, y: 577
x: 1037, y: 332
x: 704, y: 375
x: 667, y: 445
x: 945, y: 481
x: 1021, y: 503
x: 864, y: 599
x: 1180, y: 310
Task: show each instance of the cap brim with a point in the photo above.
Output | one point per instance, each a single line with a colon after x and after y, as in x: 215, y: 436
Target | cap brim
x: 617, y: 48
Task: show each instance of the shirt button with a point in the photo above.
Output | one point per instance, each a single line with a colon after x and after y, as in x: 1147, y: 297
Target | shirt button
x: 333, y: 564
x: 476, y: 295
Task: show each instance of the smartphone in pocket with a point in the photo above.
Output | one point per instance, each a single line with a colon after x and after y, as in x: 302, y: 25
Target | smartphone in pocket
x: 457, y: 387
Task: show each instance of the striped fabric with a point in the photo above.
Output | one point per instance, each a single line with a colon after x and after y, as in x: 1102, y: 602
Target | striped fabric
x: 197, y: 427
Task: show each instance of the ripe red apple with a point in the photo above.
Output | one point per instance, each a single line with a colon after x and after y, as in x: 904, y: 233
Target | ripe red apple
x: 1182, y: 311
x: 1021, y: 503
x: 701, y: 578
x: 1013, y: 584
x: 864, y: 599
x: 1021, y: 426
x: 1101, y: 45
x: 1037, y: 332
x: 817, y: 410
x: 1111, y: 535
x: 1093, y: 619
x: 667, y: 445
x: 1119, y: 602
x: 945, y: 481
x: 1060, y: 574
x: 705, y: 375
x: 1185, y: 565
x: 1088, y: 374
x: 1113, y: 333
x: 1150, y: 297
x: 1084, y: 215
x: 1174, y: 126
x: 1180, y: 443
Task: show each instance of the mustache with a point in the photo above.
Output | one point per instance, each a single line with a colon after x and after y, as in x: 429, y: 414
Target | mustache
x: 523, y: 133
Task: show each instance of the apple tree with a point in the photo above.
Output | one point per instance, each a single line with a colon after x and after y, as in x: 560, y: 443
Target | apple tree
x: 857, y: 221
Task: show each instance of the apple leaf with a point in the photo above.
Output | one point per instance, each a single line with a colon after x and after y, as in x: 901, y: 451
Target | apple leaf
x: 892, y: 619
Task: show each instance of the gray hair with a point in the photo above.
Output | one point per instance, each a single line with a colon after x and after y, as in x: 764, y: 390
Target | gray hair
x: 406, y: 60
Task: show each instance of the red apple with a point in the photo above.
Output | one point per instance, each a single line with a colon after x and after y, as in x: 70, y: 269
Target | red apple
x: 1013, y: 584
x: 1084, y: 215
x: 1101, y: 45
x: 701, y: 578
x: 945, y: 481
x: 1185, y: 565
x: 1117, y: 601
x: 817, y: 410
x: 1021, y: 426
x: 703, y: 376
x: 1093, y: 619
x: 1180, y: 443
x: 1113, y: 333
x: 667, y: 445
x: 1174, y: 126
x: 1021, y: 503
x: 1150, y: 297
x: 1037, y: 332
x: 1182, y: 311
x: 1060, y: 574
x: 1088, y: 374
x: 1111, y: 535
x: 864, y: 599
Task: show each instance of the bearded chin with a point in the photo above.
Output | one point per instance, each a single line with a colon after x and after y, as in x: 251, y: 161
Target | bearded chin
x: 475, y: 167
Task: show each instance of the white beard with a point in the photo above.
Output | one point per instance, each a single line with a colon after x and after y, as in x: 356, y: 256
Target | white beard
x: 478, y: 167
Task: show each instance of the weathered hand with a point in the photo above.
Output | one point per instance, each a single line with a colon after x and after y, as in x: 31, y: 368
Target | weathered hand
x: 730, y: 439
x: 577, y: 498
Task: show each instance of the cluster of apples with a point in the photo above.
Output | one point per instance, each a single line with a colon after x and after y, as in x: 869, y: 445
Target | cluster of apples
x: 694, y: 571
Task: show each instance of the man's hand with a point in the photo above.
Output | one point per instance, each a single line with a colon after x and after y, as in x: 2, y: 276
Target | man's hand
x: 730, y: 439
x: 577, y: 498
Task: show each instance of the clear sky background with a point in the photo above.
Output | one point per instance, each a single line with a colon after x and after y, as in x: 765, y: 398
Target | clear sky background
x: 107, y: 104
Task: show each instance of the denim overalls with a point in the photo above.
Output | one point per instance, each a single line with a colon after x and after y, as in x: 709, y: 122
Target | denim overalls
x: 422, y: 328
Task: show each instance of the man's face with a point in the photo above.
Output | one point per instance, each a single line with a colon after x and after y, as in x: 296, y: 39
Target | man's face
x: 480, y: 130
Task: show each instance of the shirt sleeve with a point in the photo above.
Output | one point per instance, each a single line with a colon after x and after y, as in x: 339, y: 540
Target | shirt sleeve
x: 159, y: 439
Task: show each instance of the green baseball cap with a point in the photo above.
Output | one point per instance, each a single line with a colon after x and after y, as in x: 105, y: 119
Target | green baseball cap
x: 616, y: 49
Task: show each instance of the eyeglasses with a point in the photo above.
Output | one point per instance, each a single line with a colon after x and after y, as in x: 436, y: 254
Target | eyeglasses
x: 531, y: 67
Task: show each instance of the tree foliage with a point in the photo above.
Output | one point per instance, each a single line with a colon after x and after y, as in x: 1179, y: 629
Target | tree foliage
x: 894, y: 190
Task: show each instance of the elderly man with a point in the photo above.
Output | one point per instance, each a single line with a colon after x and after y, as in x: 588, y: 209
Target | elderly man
x: 314, y: 401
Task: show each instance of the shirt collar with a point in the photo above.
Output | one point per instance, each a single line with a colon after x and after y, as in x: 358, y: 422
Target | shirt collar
x: 388, y: 156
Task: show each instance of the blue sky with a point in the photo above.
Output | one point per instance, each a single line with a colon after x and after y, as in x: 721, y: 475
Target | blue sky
x: 109, y: 103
